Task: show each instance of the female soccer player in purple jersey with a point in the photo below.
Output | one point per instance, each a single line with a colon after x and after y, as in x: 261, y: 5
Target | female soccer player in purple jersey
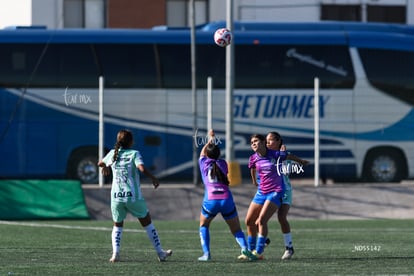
x: 217, y: 199
x: 268, y: 198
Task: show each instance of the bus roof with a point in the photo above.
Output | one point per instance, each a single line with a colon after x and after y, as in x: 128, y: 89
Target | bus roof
x: 287, y: 33
x: 311, y: 26
x: 115, y: 36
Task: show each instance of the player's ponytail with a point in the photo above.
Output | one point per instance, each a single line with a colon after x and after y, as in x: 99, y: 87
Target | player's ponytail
x: 217, y: 167
x: 217, y: 173
x: 124, y: 139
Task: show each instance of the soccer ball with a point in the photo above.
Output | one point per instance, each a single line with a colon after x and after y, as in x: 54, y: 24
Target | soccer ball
x: 223, y: 37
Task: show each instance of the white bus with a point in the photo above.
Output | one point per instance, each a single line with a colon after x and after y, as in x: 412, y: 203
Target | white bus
x: 49, y: 97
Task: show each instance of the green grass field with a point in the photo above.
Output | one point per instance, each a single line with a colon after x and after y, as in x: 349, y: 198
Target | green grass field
x: 360, y: 247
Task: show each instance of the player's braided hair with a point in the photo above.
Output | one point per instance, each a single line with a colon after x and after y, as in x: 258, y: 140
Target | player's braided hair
x: 124, y: 139
x: 213, y: 152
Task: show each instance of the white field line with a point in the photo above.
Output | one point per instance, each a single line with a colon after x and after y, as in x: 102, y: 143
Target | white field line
x: 94, y: 228
x: 77, y: 227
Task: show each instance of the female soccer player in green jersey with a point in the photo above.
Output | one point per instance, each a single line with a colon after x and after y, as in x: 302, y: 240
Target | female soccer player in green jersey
x: 126, y: 195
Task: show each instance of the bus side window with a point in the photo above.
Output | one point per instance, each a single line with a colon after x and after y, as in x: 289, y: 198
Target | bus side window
x: 293, y: 66
x: 77, y: 65
x: 18, y: 63
x: 175, y: 65
x: 390, y: 71
x: 53, y: 65
x: 128, y: 65
x: 152, y: 140
x: 211, y: 62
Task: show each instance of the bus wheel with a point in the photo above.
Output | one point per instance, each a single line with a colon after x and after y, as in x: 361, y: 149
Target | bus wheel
x: 82, y: 165
x: 385, y: 165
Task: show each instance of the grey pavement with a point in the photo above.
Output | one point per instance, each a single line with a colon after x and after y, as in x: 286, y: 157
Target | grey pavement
x: 181, y: 201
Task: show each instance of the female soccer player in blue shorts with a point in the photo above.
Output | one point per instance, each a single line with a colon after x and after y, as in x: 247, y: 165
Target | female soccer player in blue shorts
x: 126, y: 195
x: 217, y: 199
x: 274, y: 142
x: 268, y: 198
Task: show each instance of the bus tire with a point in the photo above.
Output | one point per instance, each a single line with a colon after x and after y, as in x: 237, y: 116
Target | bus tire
x: 82, y: 165
x: 384, y: 165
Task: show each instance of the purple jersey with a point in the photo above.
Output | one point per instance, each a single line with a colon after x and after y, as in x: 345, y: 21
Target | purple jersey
x: 213, y: 189
x: 268, y: 169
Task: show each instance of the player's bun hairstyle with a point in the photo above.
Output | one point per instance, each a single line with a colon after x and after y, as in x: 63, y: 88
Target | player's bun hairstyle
x: 213, y: 152
x: 277, y: 137
x: 124, y: 139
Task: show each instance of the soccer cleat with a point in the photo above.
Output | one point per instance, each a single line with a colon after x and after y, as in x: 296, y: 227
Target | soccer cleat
x: 114, y: 258
x: 247, y: 255
x: 204, y: 258
x: 242, y: 257
x: 288, y: 253
x: 163, y: 255
x: 257, y: 255
x: 267, y: 242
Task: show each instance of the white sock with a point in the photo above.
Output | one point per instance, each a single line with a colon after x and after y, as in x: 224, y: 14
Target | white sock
x: 153, y: 236
x: 116, y: 239
x: 288, y: 239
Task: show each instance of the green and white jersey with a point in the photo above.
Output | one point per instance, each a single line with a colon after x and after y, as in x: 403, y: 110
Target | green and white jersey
x: 126, y: 186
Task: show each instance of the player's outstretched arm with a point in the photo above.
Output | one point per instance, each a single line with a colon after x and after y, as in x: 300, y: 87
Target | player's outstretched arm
x: 295, y: 158
x: 148, y: 174
x: 211, y: 138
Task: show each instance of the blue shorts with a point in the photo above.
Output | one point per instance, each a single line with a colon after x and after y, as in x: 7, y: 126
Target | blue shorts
x: 275, y: 197
x: 227, y: 208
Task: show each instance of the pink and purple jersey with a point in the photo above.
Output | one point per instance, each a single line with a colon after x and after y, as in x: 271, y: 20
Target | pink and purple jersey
x: 213, y: 189
x: 268, y: 169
